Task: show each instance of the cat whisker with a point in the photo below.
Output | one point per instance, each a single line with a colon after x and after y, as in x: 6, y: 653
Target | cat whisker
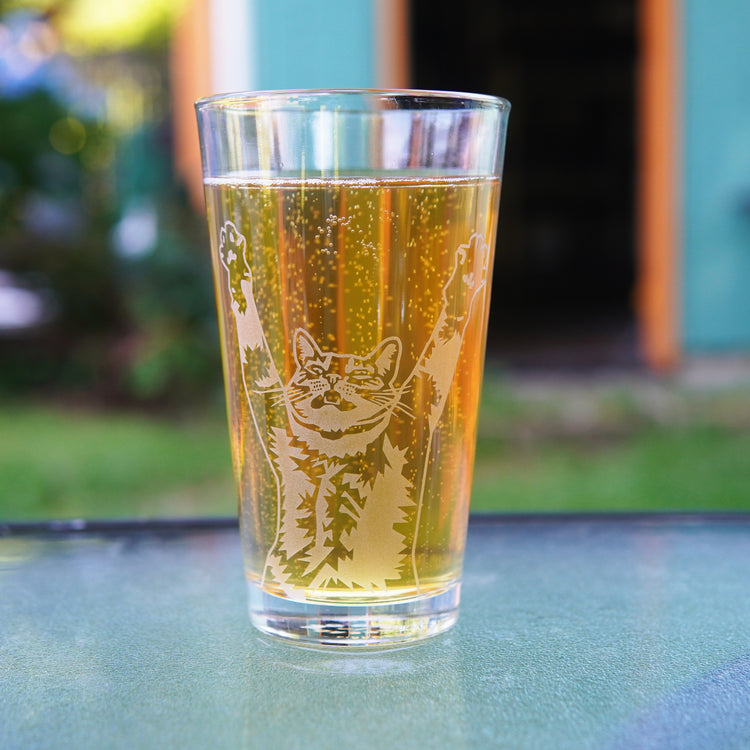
x: 295, y: 396
x: 379, y: 400
x: 390, y: 392
x: 273, y: 389
x: 384, y: 395
x: 405, y: 410
x: 395, y: 405
x: 289, y: 396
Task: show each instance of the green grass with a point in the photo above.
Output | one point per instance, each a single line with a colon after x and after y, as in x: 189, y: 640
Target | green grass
x: 57, y: 463
x: 562, y: 448
x: 688, y: 469
x: 624, y: 446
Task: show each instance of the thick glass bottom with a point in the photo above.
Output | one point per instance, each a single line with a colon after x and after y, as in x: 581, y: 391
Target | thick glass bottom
x: 378, y: 624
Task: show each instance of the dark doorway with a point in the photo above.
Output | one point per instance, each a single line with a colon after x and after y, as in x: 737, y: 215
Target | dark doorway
x: 565, y: 268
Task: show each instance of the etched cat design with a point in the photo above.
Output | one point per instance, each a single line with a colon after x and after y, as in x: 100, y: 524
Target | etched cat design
x: 339, y: 403
x: 348, y: 496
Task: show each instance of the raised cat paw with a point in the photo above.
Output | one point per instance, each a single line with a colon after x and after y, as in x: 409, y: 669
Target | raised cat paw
x: 469, y: 270
x: 232, y: 246
x: 471, y: 261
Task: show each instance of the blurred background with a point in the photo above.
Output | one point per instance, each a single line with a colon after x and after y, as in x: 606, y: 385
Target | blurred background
x: 618, y: 375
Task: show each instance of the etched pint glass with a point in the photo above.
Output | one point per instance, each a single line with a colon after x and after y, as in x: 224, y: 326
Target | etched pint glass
x: 352, y: 236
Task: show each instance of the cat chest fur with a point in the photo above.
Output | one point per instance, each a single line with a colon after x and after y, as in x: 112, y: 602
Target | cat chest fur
x: 343, y: 521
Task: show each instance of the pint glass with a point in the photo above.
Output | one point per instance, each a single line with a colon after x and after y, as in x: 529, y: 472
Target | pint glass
x: 352, y: 235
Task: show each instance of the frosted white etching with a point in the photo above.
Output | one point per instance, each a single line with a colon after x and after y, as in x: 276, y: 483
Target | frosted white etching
x: 349, y: 494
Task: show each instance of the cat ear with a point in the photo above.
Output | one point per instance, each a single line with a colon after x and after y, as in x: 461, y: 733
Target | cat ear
x: 386, y: 357
x: 305, y: 347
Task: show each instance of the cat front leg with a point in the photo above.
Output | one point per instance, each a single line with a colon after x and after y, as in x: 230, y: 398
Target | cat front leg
x: 254, y: 350
x: 433, y: 376
x: 259, y: 375
x: 440, y: 356
x: 467, y: 280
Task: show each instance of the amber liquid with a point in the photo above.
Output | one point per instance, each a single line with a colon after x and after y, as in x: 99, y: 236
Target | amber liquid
x: 354, y: 262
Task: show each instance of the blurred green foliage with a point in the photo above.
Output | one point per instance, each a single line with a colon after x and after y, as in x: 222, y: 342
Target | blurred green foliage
x: 123, y: 327
x: 170, y: 301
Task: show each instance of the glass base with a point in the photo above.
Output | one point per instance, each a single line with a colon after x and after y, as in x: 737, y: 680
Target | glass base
x: 384, y: 624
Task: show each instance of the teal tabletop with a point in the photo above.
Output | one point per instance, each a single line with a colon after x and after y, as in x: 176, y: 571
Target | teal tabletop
x: 575, y: 632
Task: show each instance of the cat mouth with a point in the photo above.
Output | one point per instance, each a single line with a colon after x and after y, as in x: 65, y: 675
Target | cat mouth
x: 331, y: 398
x: 329, y: 421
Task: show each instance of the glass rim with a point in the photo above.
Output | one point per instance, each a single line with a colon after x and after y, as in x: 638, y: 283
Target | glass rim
x: 284, y: 99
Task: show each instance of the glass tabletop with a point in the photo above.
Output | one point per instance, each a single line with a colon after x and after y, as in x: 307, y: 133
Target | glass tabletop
x: 575, y: 632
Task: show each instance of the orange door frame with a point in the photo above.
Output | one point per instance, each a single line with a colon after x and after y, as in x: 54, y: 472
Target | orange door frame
x: 658, y: 182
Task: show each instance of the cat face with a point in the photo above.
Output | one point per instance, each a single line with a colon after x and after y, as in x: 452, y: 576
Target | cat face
x: 337, y: 395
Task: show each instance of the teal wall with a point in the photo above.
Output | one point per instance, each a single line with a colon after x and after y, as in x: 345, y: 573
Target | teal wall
x: 716, y: 208
x: 314, y: 43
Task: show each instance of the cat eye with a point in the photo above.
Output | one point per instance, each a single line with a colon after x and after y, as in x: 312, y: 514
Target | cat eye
x: 363, y: 377
x: 315, y: 369
x: 368, y: 381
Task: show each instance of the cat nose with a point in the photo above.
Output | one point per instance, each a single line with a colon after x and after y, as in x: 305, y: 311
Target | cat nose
x: 333, y: 378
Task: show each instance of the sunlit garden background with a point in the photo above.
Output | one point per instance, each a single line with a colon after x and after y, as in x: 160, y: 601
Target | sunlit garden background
x: 111, y: 402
